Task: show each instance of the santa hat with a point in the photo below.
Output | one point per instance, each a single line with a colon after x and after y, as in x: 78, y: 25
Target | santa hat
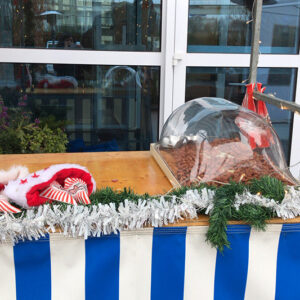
x: 13, y: 173
x: 6, y: 176
x: 26, y: 192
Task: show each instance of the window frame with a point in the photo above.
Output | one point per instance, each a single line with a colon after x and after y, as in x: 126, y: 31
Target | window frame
x: 173, y: 59
x: 187, y: 59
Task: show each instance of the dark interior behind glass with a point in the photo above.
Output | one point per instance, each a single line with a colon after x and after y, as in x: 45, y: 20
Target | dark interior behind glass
x: 229, y: 83
x: 101, y: 108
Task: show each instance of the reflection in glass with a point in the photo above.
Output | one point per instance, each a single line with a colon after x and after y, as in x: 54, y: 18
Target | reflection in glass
x: 227, y: 83
x: 128, y: 25
x: 221, y: 26
x: 101, y: 108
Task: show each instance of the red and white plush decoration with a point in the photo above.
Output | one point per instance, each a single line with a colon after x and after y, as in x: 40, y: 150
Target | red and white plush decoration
x: 74, y: 190
x: 26, y: 192
x: 5, y: 176
x: 5, y: 206
x: 77, y: 189
x: 57, y: 193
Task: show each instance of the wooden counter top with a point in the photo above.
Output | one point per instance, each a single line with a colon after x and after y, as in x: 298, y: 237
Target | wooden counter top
x: 134, y: 169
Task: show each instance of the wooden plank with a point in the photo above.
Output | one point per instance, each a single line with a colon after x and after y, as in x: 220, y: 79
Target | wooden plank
x: 164, y: 167
x: 134, y: 169
x: 204, y: 221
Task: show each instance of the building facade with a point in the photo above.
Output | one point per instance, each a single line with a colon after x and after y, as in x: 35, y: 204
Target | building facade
x: 111, y: 71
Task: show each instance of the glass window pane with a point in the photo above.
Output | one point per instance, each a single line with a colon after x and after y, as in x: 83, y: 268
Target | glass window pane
x: 101, y: 108
x: 220, y: 26
x: 227, y: 83
x: 128, y: 25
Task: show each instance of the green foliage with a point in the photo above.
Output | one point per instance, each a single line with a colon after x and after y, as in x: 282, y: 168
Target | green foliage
x: 32, y: 139
x: 52, y: 122
x: 222, y: 212
x: 9, y: 143
x: 35, y: 139
x: 269, y: 187
x: 108, y: 195
x: 254, y: 215
x: 19, y: 134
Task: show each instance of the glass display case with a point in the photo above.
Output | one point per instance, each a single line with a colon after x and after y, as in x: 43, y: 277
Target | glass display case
x: 213, y: 140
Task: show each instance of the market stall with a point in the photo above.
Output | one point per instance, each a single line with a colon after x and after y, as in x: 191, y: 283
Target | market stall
x: 161, y: 263
x: 228, y: 229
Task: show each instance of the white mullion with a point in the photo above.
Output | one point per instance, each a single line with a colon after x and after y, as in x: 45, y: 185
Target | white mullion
x: 295, y: 144
x: 180, y: 51
x: 52, y: 56
x: 241, y: 60
x: 167, y: 50
x: 217, y: 60
x: 279, y: 61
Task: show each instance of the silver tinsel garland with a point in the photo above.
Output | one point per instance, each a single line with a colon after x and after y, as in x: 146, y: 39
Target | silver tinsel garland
x: 287, y: 209
x: 85, y: 221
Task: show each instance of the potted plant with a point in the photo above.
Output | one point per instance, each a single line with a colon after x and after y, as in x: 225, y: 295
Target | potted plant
x: 20, y: 134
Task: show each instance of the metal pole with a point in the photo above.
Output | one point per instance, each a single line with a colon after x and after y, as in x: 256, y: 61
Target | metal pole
x: 283, y: 104
x: 257, y: 10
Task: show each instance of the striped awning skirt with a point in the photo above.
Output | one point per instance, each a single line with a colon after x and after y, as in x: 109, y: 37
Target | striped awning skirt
x: 155, y: 264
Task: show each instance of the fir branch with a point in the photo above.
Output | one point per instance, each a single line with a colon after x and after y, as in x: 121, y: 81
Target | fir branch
x: 222, y: 213
x: 222, y: 208
x: 269, y: 187
x: 108, y: 195
x: 254, y: 215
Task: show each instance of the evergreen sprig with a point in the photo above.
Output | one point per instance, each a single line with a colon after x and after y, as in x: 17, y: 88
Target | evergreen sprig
x: 108, y: 195
x: 222, y: 212
x: 269, y: 187
x: 252, y: 214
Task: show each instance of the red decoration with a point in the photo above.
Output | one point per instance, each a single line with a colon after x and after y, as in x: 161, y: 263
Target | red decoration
x: 33, y: 195
x: 35, y: 184
x: 5, y: 206
x: 261, y: 139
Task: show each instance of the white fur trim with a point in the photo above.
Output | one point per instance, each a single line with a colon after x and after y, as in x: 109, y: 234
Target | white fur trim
x: 3, y: 197
x: 13, y: 173
x: 16, y: 191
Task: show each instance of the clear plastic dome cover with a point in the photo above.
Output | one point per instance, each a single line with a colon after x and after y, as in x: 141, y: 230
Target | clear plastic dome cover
x: 213, y: 140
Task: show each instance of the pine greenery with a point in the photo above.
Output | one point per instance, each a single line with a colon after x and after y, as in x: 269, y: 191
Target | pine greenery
x: 269, y: 187
x: 222, y: 212
x: 254, y: 215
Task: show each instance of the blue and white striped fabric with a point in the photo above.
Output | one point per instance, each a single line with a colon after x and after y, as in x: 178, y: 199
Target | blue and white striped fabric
x: 155, y: 264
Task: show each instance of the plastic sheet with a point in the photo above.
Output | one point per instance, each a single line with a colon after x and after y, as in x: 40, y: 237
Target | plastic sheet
x: 213, y: 140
